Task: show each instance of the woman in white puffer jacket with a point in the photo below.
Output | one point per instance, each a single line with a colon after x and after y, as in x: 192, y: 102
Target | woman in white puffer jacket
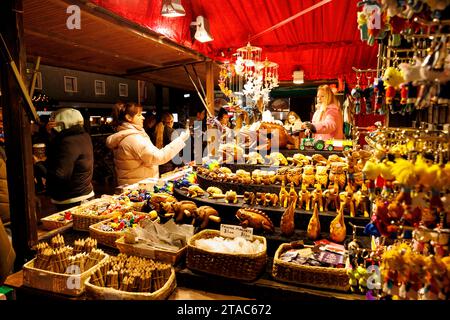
x: 135, y: 156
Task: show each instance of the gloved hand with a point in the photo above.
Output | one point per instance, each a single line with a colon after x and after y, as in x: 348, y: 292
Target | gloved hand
x: 308, y: 125
x: 185, y: 134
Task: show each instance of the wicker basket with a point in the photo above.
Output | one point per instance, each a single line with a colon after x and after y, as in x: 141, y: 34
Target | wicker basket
x: 322, y: 277
x: 143, y: 250
x: 107, y: 238
x: 105, y: 293
x: 82, y: 221
x: 68, y: 284
x: 246, y: 267
x: 49, y: 222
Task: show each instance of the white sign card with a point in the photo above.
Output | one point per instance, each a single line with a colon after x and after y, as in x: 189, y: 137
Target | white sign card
x: 232, y: 231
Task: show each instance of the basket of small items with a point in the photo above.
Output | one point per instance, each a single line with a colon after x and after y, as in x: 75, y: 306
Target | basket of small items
x: 62, y: 269
x: 108, y: 231
x: 99, y: 210
x: 164, y: 242
x: 57, y: 220
x: 131, y: 278
x: 320, y: 266
x: 235, y: 258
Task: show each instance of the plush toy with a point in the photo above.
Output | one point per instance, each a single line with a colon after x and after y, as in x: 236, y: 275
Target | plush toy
x: 411, y: 72
x: 362, y: 25
x: 356, y: 94
x: 392, y: 79
x: 396, y: 25
x: 437, y: 6
x: 411, y: 97
x: 368, y: 94
x: 403, y: 97
x: 379, y: 93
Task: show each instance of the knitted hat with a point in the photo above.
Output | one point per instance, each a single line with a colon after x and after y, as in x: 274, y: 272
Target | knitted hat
x: 67, y: 118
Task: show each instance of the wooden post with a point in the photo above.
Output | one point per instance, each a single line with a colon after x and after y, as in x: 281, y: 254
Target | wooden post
x: 17, y: 136
x: 210, y: 87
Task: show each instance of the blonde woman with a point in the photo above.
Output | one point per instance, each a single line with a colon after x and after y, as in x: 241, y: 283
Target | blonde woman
x: 327, y: 121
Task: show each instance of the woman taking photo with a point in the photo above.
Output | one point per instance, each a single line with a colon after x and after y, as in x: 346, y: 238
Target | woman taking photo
x: 327, y: 121
x: 135, y: 156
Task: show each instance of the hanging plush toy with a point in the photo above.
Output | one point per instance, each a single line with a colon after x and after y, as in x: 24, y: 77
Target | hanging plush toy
x: 362, y: 25
x: 356, y: 94
x: 403, y: 97
x: 379, y: 93
x: 438, y: 6
x: 368, y: 94
x: 411, y: 97
x: 392, y: 79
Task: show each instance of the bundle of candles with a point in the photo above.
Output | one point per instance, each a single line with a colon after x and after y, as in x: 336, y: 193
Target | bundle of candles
x: 132, y: 274
x: 58, y: 257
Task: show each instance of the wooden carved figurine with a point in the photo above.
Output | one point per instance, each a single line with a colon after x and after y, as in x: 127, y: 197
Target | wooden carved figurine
x: 204, y: 214
x: 347, y: 201
x: 249, y: 198
x: 313, y: 231
x: 283, y: 196
x: 332, y: 197
x: 256, y: 219
x: 308, y: 177
x: 322, y: 175
x: 293, y: 195
x: 337, y: 227
x: 304, y: 197
x: 287, y: 224
x: 361, y: 198
x: 316, y: 196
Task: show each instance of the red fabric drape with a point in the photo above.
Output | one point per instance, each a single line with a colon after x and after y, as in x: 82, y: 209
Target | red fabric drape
x: 324, y: 43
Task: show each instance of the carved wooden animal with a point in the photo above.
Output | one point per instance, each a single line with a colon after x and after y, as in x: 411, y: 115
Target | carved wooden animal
x: 249, y: 198
x: 347, y: 201
x: 313, y: 230
x: 276, y: 131
x: 337, y: 227
x: 317, y: 197
x: 293, y: 195
x: 304, y: 197
x: 287, y: 224
x: 256, y: 219
x: 204, y: 214
x: 361, y: 198
x: 181, y: 209
x: 331, y: 196
x: 283, y: 196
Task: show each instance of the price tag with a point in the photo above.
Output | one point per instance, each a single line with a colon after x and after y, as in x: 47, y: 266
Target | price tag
x: 232, y: 231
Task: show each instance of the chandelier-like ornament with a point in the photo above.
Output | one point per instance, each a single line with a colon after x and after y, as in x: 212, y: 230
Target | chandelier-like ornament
x: 249, y: 76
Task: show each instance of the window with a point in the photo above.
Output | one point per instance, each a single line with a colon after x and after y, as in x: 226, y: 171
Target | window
x: 123, y: 90
x: 38, y: 84
x: 70, y: 84
x: 99, y: 87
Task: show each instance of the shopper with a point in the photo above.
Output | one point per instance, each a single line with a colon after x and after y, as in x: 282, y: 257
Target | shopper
x: 327, y: 121
x: 70, y: 160
x: 163, y: 135
x: 149, y: 124
x: 293, y: 122
x: 135, y: 156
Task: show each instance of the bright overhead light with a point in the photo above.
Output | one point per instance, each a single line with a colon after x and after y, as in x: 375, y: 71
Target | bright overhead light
x: 202, y: 32
x: 298, y: 77
x: 172, y: 9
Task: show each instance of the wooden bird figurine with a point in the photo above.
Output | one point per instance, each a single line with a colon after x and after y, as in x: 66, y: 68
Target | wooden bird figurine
x: 287, y: 224
x: 313, y: 231
x: 337, y: 227
x: 293, y: 195
x: 283, y: 196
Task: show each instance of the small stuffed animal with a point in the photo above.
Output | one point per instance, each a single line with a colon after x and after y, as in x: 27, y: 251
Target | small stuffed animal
x: 368, y: 94
x: 392, y: 79
x: 411, y: 97
x: 356, y: 94
x: 379, y: 93
x: 362, y: 25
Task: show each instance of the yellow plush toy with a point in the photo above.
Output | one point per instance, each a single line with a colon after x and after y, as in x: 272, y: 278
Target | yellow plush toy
x: 392, y: 79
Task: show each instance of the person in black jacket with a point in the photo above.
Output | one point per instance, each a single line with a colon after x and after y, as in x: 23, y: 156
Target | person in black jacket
x: 70, y: 160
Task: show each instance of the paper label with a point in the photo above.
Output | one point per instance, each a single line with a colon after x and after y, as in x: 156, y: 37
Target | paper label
x: 232, y: 231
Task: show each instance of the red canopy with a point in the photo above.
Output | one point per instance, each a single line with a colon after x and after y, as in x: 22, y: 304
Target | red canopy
x: 325, y: 42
